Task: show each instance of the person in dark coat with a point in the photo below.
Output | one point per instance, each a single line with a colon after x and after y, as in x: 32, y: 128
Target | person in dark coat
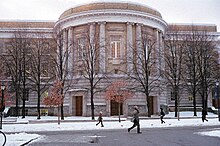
x: 135, y: 120
x: 204, y: 115
x: 100, y: 120
x: 162, y: 114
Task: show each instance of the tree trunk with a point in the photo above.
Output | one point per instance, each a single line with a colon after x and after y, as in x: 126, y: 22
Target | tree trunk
x: 58, y: 115
x: 119, y: 112
x: 62, y: 115
x: 92, y: 106
x: 23, y: 108
x: 16, y: 96
x: 176, y: 102
x: 148, y: 105
x: 194, y: 104
x: 178, y: 110
x: 38, y: 106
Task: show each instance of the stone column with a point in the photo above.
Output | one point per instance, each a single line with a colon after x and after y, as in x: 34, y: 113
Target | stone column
x: 59, y: 49
x: 102, y: 54
x: 157, y: 52
x: 65, y: 50
x: 129, y: 48
x: 92, y: 33
x: 70, y: 52
x: 65, y: 39
x: 162, y: 62
x: 74, y: 49
x: 92, y: 39
x: 139, y: 46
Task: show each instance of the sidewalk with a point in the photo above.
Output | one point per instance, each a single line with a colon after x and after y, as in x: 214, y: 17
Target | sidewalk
x: 54, y: 119
x: 20, y: 131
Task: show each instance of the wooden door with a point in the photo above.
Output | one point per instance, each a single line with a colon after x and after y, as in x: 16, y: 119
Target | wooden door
x: 151, y: 104
x: 79, y: 105
x: 115, y: 108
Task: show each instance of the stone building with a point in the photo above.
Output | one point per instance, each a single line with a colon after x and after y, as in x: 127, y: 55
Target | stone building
x: 117, y: 27
x: 115, y: 30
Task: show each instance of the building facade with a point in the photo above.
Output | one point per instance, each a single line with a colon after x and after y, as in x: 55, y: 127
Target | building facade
x: 114, y: 31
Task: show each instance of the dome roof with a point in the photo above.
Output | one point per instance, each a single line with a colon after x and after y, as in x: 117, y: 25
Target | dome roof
x: 110, y: 5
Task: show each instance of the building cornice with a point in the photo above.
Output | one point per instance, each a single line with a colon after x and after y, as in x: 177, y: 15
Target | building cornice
x: 29, y: 30
x: 9, y: 32
x: 111, y: 16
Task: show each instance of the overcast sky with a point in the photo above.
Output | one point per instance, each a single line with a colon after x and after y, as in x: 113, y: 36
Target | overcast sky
x: 173, y: 11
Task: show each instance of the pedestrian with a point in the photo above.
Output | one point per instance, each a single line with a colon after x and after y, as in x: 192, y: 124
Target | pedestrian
x: 204, y: 113
x: 135, y: 120
x: 100, y: 119
x: 162, y: 114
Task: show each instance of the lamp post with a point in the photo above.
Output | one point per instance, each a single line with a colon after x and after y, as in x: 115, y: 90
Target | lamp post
x: 2, y: 103
x: 217, y: 93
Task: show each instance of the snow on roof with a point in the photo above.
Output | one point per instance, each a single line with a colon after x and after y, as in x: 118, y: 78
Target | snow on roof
x: 109, y: 4
x: 26, y: 24
x: 112, y: 1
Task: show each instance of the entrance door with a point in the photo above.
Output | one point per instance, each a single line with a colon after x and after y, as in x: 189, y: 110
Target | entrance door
x: 114, y: 108
x: 79, y: 105
x: 151, y: 104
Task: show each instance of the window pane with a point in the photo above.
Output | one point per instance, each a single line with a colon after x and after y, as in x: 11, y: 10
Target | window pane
x: 118, y: 50
x: 113, y: 49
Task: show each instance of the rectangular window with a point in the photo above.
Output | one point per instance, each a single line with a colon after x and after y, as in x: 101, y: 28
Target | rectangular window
x: 115, y: 48
x: 172, y: 96
x: 45, y: 69
x: 81, y: 48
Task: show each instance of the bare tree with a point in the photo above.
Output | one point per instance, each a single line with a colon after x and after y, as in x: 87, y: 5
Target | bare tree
x: 145, y: 67
x: 173, y: 57
x: 15, y: 59
x: 11, y: 59
x: 208, y: 64
x: 40, y: 66
x: 191, y: 74
x: 200, y: 62
x: 88, y: 62
x: 25, y: 47
x: 63, y: 60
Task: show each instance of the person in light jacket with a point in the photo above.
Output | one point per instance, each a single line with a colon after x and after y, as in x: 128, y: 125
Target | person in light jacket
x: 135, y: 120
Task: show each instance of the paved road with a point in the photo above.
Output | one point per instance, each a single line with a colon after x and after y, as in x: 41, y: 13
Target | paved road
x: 182, y: 136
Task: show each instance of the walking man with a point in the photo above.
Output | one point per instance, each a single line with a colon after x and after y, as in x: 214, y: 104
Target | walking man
x: 162, y: 114
x: 100, y: 120
x: 135, y: 120
x: 204, y: 113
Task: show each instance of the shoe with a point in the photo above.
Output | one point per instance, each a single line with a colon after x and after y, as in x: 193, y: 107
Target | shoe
x: 139, y: 132
x: 128, y: 130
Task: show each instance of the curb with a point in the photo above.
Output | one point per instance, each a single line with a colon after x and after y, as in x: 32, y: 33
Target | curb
x: 66, y: 121
x: 107, y: 120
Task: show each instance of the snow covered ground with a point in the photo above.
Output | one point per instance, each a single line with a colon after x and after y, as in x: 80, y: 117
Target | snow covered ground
x: 18, y: 132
